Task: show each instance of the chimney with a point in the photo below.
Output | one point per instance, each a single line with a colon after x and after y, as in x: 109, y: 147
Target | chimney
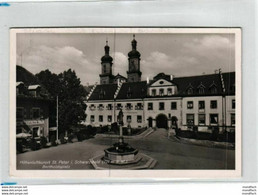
x: 171, y: 77
x: 148, y: 81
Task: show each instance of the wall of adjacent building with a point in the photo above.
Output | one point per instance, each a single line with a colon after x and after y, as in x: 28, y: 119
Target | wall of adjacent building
x: 207, y: 111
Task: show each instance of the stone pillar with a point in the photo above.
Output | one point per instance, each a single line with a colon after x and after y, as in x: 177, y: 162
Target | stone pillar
x: 154, y: 124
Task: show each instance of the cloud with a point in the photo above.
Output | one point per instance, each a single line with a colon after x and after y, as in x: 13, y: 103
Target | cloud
x: 120, y: 63
x: 158, y: 62
x: 59, y: 59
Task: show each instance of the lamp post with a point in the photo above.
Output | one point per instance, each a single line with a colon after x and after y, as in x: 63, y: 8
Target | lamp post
x: 120, y: 122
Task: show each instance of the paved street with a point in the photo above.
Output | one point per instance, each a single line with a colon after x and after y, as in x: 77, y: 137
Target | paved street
x: 168, y: 153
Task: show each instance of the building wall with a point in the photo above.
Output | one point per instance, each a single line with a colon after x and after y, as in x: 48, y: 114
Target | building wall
x: 229, y: 111
x: 98, y: 111
x: 27, y: 122
x: 167, y: 109
x: 196, y: 111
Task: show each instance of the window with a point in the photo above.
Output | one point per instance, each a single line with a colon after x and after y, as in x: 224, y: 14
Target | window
x: 233, y: 104
x: 201, y: 105
x: 213, y: 104
x: 109, y: 118
x: 35, y: 113
x: 214, y: 119
x: 169, y: 91
x: 150, y: 106
x: 190, y: 119
x: 173, y: 106
x: 139, y: 119
x: 139, y: 106
x: 19, y: 113
x: 213, y: 89
x: 109, y: 107
x: 201, y: 90
x: 161, y: 106
x: 129, y: 118
x: 92, y: 107
x: 233, y: 119
x: 161, y: 92
x: 201, y: 120
x: 190, y: 91
x: 104, y: 68
x: 92, y: 118
x: 101, y: 107
x: 119, y: 106
x: 100, y: 118
x: 190, y: 105
x: 128, y: 106
x: 153, y: 91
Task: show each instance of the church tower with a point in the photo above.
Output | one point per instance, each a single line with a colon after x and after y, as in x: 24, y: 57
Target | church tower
x: 106, y: 75
x: 134, y: 73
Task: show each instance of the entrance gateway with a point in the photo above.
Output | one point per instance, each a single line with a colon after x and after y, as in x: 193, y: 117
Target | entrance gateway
x: 162, y: 121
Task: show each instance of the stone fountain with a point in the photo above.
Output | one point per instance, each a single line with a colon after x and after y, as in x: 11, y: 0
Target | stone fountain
x: 121, y: 155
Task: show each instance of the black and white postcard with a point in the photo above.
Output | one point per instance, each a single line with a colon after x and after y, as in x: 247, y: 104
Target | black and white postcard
x: 125, y: 102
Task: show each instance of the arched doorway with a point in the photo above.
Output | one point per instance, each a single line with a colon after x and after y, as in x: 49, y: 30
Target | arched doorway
x: 162, y: 121
x: 150, y: 124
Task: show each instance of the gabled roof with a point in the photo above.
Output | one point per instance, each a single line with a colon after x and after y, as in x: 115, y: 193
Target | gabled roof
x: 184, y: 83
x: 133, y: 90
x: 103, y: 92
x: 33, y: 87
x: 19, y: 83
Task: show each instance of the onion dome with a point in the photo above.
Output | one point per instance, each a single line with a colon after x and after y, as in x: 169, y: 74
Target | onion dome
x: 134, y: 52
x: 106, y: 57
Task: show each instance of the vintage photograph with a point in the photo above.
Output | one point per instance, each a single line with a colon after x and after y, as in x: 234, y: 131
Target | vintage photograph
x: 126, y: 99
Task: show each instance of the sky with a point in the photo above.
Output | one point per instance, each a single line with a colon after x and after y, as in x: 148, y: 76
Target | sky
x: 174, y: 54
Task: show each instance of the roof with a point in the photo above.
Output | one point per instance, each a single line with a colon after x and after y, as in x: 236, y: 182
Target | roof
x: 138, y: 90
x: 103, y: 92
x: 33, y: 87
x: 119, y: 76
x: 19, y: 83
x: 133, y: 90
x: 195, y: 82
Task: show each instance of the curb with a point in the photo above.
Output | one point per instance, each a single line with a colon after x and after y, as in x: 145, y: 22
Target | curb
x: 206, y: 143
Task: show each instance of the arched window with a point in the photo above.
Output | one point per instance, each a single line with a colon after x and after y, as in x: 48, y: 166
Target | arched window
x: 104, y: 68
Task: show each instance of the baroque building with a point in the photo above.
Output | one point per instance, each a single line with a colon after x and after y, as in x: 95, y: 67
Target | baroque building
x: 201, y: 101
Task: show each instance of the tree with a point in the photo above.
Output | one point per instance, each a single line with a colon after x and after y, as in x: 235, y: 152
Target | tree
x: 71, y: 95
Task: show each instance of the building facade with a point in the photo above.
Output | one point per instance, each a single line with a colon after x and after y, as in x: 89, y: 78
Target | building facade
x: 32, y: 110
x: 201, y: 101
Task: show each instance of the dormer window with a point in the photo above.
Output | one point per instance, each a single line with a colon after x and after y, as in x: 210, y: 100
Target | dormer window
x: 190, y: 91
x: 201, y: 90
x: 213, y: 89
x: 161, y: 92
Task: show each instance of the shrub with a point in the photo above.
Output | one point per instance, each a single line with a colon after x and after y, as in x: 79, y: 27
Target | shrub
x: 43, y: 142
x: 115, y: 128
x: 62, y: 138
x: 33, y: 144
x: 53, y: 141
x: 215, y: 133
